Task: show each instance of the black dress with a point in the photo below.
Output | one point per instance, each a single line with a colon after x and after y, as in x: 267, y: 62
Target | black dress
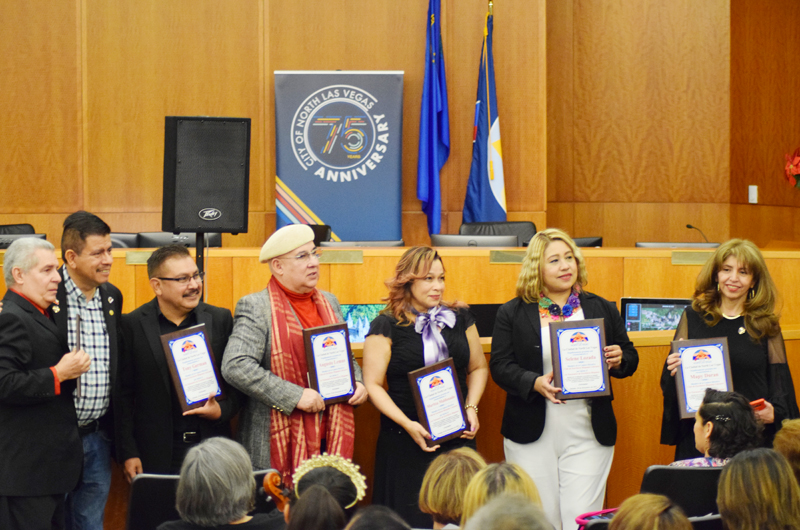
x: 758, y: 369
x: 400, y: 464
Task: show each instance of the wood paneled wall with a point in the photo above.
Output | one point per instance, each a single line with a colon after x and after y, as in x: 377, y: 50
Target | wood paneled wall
x: 86, y: 84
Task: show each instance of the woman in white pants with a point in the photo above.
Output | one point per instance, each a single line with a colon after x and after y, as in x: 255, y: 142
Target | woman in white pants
x: 566, y: 446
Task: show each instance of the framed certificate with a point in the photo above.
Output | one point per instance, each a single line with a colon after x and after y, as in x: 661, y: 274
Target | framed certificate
x: 579, y: 363
x: 330, y: 362
x: 704, y: 364
x: 194, y: 371
x: 440, y: 406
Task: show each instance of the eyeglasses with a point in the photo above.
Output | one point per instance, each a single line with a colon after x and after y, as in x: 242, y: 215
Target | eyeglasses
x: 305, y: 256
x: 184, y: 280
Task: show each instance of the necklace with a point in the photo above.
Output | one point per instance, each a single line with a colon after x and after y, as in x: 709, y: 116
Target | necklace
x: 548, y: 307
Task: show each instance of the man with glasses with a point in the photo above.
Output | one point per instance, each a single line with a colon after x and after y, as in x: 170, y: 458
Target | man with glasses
x: 86, y: 292
x: 154, y: 433
x: 284, y: 422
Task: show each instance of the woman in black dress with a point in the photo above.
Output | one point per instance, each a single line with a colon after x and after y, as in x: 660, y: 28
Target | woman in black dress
x: 734, y: 298
x: 394, y: 346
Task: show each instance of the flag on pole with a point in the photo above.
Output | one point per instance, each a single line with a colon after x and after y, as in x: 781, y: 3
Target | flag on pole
x: 434, y: 126
x: 486, y: 191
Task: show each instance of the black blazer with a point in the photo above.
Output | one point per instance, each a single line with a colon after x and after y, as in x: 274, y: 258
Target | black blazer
x: 112, y: 312
x: 516, y: 362
x: 146, y: 390
x: 40, y: 450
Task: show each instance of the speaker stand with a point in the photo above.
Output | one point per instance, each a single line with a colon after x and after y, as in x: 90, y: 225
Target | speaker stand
x: 200, y: 246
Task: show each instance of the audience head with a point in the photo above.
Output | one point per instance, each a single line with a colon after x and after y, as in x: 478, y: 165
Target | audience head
x: 444, y: 484
x: 86, y: 249
x: 509, y: 511
x: 531, y: 280
x: 649, y: 512
x: 293, y: 259
x: 493, y: 480
x: 725, y: 425
x: 30, y: 267
x: 340, y: 486
x: 216, y: 486
x: 377, y: 517
x: 415, y: 265
x: 760, y: 297
x: 757, y: 491
x: 787, y: 443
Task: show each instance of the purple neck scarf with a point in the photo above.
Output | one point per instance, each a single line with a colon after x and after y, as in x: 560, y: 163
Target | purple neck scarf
x: 427, y: 325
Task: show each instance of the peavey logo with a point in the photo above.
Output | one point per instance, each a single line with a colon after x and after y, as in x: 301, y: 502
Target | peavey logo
x: 209, y: 214
x: 336, y: 136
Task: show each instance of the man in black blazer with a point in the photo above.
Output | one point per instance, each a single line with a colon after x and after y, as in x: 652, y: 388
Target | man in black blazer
x: 85, y: 291
x: 154, y: 433
x: 40, y: 450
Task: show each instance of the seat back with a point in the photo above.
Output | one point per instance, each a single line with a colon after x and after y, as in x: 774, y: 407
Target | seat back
x: 709, y: 522
x: 694, y: 489
x: 524, y: 230
x: 597, y: 524
x: 321, y: 233
x: 151, y: 501
x: 23, y: 228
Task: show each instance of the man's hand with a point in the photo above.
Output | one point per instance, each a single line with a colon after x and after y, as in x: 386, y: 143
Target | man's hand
x: 72, y: 365
x: 133, y: 467
x: 311, y: 401
x: 360, y: 395
x: 210, y: 409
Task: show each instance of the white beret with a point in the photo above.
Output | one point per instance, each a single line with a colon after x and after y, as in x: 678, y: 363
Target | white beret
x: 285, y: 240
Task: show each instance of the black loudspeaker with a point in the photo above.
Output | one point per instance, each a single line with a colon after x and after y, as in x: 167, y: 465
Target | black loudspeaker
x: 206, y: 174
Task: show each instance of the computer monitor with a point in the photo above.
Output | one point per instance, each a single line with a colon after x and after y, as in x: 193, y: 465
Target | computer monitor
x: 358, y: 318
x: 124, y: 240
x: 399, y: 243
x: 187, y: 239
x: 461, y: 240
x: 7, y: 239
x: 653, y: 314
x: 666, y: 244
x: 586, y: 242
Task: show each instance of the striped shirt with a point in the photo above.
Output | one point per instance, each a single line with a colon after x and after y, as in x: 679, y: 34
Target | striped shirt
x: 95, y: 385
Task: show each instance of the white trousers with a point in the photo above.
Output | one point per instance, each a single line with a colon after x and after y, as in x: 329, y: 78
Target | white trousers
x: 567, y: 463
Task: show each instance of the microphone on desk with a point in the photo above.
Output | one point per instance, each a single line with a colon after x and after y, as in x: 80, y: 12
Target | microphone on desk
x: 701, y: 232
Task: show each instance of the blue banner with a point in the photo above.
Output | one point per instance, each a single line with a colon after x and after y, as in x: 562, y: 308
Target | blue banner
x: 434, y: 123
x: 486, y: 192
x: 338, y: 138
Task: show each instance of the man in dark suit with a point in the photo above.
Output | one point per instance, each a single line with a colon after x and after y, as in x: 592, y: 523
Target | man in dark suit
x: 40, y: 449
x: 154, y: 432
x: 85, y: 291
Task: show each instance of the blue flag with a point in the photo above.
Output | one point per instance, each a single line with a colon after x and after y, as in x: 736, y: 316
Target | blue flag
x: 434, y: 123
x: 486, y: 191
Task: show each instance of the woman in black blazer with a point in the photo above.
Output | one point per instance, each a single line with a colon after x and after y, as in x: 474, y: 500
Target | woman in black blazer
x: 568, y: 455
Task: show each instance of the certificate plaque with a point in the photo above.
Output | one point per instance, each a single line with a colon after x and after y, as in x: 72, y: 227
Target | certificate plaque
x: 704, y: 364
x: 330, y: 362
x: 440, y: 406
x: 579, y: 363
x: 194, y: 371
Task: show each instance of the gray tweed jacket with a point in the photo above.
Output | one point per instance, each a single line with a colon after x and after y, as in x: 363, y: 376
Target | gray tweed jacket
x: 246, y: 366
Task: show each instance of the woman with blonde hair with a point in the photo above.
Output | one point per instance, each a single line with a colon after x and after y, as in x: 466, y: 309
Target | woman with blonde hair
x: 565, y: 446
x: 757, y: 491
x: 646, y: 511
x: 734, y: 298
x: 493, y: 480
x: 787, y: 443
x: 444, y: 484
x: 417, y: 329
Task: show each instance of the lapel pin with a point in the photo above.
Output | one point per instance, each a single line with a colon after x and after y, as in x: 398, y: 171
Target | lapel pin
x: 56, y: 309
x: 110, y: 300
x: 742, y: 330
x: 111, y: 312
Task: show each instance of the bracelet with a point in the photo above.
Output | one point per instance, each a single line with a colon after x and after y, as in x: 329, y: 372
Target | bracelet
x: 470, y: 406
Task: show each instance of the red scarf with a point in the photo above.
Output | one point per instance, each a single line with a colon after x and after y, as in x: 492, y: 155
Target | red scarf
x: 296, y: 438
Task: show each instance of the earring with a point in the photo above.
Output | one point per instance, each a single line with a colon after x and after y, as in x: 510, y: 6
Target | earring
x: 751, y: 294
x: 717, y: 287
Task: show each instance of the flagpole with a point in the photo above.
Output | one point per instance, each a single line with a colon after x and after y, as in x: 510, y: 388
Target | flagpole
x: 488, y: 99
x: 491, y: 5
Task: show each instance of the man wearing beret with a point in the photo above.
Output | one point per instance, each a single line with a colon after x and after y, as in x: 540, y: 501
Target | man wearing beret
x: 284, y: 422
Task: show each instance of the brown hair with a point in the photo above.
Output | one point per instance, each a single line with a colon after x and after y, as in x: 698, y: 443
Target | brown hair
x: 646, y: 511
x: 529, y: 282
x: 787, y: 443
x: 445, y: 481
x: 759, y: 309
x: 757, y: 491
x: 414, y: 264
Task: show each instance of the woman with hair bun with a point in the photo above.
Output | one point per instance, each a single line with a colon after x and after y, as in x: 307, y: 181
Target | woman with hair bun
x: 724, y: 426
x: 734, y: 298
